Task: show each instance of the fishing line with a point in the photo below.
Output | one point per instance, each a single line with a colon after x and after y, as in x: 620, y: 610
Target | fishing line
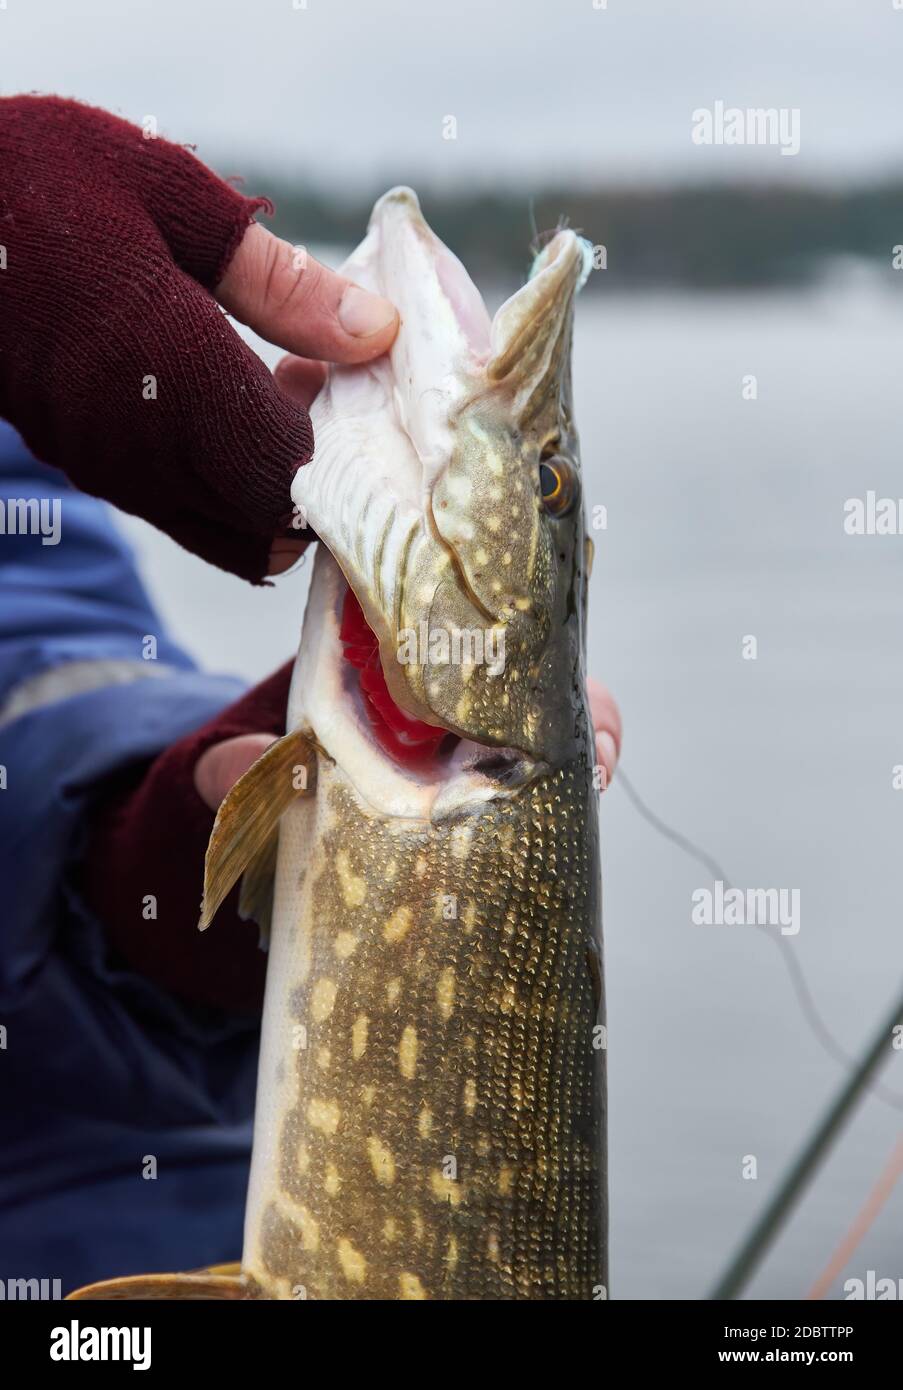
x: 794, y: 969
x: 862, y: 1223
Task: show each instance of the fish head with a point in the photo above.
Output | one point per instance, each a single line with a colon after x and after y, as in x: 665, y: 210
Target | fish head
x: 446, y: 484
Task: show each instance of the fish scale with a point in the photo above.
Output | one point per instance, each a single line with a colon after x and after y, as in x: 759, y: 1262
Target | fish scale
x: 499, y: 1054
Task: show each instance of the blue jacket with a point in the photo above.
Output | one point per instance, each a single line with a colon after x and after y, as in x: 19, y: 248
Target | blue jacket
x: 100, y: 1071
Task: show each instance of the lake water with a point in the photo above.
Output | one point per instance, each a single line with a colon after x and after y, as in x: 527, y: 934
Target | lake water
x: 725, y: 521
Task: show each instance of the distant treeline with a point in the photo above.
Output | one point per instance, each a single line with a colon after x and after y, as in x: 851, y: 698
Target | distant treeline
x: 700, y: 236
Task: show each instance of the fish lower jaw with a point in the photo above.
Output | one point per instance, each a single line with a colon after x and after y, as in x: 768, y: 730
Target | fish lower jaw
x: 326, y: 700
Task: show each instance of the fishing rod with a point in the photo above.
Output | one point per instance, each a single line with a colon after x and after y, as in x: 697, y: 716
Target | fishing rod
x: 801, y: 1171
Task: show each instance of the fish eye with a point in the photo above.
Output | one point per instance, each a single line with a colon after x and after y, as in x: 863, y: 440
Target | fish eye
x: 557, y: 484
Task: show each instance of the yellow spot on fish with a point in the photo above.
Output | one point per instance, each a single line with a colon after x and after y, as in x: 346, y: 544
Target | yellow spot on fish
x: 470, y: 1095
x: 407, y: 1053
x: 505, y: 1179
x: 354, y: 1266
x: 393, y: 990
x: 345, y: 944
x: 492, y: 1247
x: 354, y: 888
x: 425, y: 1122
x: 322, y: 998
x: 460, y: 840
x: 481, y: 556
x: 332, y: 1182
x: 420, y: 866
x: 459, y: 487
x: 381, y: 1161
x: 451, y: 1255
x: 310, y: 1230
x: 359, y: 1036
x: 493, y: 523
x: 523, y: 604
x: 462, y: 709
x: 506, y: 558
x: 390, y: 1229
x: 445, y: 1189
x: 323, y: 1057
x: 368, y: 1095
x: 324, y: 1115
x: 445, y: 991
x: 411, y: 1286
x: 398, y: 925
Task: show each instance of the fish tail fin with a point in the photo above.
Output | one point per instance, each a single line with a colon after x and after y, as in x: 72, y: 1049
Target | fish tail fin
x: 219, y: 1281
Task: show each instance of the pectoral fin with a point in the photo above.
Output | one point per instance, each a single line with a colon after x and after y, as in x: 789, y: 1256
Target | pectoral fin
x: 255, y: 902
x: 244, y: 832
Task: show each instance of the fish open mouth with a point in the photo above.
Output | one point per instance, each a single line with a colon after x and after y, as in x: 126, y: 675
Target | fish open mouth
x: 399, y: 764
x: 410, y: 741
x: 423, y: 492
x: 405, y: 738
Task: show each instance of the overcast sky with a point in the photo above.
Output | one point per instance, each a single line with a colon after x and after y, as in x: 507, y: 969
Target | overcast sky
x: 357, y: 90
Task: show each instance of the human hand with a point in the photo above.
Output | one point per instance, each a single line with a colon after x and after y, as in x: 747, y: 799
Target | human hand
x: 606, y: 719
x: 117, y: 363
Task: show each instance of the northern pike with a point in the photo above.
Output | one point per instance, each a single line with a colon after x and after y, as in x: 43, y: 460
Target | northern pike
x: 423, y: 842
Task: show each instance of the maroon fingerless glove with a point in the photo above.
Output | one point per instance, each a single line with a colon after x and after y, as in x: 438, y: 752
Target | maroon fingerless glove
x: 148, y: 838
x: 116, y: 364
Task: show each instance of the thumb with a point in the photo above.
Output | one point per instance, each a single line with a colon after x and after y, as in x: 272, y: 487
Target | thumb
x: 289, y: 298
x: 220, y: 766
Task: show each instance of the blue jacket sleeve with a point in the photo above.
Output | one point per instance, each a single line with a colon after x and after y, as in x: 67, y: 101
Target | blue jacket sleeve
x: 79, y: 697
